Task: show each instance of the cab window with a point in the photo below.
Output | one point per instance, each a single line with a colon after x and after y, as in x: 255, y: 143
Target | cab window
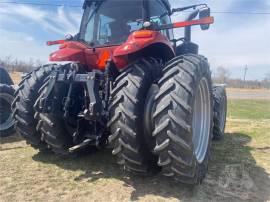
x: 156, y: 9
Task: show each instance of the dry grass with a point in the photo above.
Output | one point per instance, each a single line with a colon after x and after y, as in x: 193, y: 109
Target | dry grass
x: 254, y: 94
x: 239, y: 171
x: 16, y: 77
x: 248, y: 90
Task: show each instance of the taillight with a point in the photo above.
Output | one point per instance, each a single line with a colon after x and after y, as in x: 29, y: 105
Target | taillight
x: 103, y: 58
x: 143, y: 34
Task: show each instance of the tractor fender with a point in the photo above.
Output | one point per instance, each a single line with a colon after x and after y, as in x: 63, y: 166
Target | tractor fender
x: 69, y: 51
x: 149, y: 42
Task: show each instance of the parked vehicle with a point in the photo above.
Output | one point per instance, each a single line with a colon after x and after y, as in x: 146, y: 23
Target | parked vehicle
x: 6, y: 98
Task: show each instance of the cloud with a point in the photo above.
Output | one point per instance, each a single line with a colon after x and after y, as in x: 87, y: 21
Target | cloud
x: 22, y: 46
x: 23, y: 29
x: 249, y: 5
x: 233, y: 41
x: 58, y: 22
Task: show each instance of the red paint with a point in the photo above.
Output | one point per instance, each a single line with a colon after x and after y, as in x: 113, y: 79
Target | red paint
x: 96, y: 58
x: 74, y: 51
x: 139, y: 40
x: 70, y: 51
x: 50, y: 43
x: 203, y: 21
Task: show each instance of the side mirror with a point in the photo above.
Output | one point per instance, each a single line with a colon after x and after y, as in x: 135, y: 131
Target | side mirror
x: 69, y: 37
x: 203, y: 13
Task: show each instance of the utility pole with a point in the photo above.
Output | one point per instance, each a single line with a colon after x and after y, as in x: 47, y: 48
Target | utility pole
x: 245, y: 73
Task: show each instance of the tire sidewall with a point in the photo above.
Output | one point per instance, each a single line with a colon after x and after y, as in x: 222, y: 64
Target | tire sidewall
x: 223, y: 105
x: 220, y: 103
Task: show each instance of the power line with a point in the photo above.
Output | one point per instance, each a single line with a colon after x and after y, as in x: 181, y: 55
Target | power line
x: 79, y: 6
x: 41, y: 4
x: 241, y: 13
x: 233, y: 12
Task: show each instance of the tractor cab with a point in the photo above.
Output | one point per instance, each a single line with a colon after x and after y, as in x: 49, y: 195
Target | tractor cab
x: 123, y: 31
x: 109, y: 23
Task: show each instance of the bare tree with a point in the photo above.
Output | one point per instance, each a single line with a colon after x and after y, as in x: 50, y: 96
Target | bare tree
x: 267, y: 76
x: 222, y: 74
x: 266, y: 81
x: 13, y: 64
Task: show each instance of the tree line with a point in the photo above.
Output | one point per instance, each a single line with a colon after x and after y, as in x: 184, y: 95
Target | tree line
x: 12, y: 64
x: 222, y: 75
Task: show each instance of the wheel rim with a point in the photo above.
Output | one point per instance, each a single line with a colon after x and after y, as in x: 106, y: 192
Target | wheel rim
x: 7, y: 122
x: 201, y: 120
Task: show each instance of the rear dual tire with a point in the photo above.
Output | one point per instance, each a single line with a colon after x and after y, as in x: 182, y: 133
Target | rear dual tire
x: 128, y: 137
x: 23, y: 106
x: 54, y: 133
x: 183, y: 119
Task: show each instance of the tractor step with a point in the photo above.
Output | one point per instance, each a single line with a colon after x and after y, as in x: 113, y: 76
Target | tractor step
x: 80, y: 146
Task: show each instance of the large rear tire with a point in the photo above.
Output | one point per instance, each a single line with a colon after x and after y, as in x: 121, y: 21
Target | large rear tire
x: 126, y: 117
x: 23, y: 110
x: 4, y: 77
x: 183, y: 119
x: 6, y: 120
x: 55, y: 134
x: 52, y: 125
x: 220, y: 112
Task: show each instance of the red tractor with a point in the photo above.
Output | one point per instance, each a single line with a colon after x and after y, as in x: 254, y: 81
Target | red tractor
x: 126, y: 83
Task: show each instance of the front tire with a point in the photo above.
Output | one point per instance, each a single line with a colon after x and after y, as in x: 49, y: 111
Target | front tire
x: 183, y: 119
x: 220, y: 112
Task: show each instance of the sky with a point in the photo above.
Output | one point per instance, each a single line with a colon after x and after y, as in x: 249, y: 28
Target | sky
x: 234, y: 41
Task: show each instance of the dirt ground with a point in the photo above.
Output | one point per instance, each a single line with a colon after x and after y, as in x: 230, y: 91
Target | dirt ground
x: 239, y: 170
x: 238, y: 93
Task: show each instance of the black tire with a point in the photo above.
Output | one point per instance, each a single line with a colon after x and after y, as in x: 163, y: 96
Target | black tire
x: 23, y: 106
x: 54, y: 133
x: 173, y: 117
x: 52, y: 125
x: 126, y: 117
x: 6, y: 120
x: 220, y: 112
x: 4, y: 77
